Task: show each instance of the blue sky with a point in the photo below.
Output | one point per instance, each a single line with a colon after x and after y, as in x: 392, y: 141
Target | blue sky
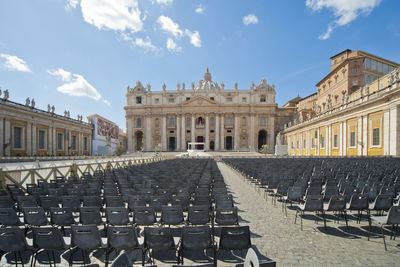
x: 80, y: 55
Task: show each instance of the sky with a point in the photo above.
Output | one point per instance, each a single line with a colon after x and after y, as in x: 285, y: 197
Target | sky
x: 80, y: 55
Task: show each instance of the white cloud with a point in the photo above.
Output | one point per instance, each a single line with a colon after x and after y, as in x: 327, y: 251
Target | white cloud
x: 75, y: 84
x: 194, y: 38
x: 105, y: 101
x: 345, y: 11
x: 164, y: 2
x: 169, y: 26
x: 144, y: 43
x: 199, y: 9
x: 250, y: 19
x: 172, y: 46
x: 14, y: 63
x: 71, y: 4
x: 117, y: 15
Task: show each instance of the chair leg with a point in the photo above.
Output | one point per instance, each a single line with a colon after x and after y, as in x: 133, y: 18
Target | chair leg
x: 301, y: 220
x: 107, y: 256
x: 20, y: 256
x: 383, y: 235
x: 323, y: 215
x: 345, y: 218
x: 295, y: 217
x: 369, y: 228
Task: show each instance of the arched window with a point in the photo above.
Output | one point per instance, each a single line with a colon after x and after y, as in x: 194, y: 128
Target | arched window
x: 200, y: 121
x: 262, y: 121
x: 229, y: 121
x: 171, y: 121
x: 263, y: 98
x: 139, y: 123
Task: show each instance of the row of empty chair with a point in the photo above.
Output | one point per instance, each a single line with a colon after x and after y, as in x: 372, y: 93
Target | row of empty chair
x: 186, y: 197
x: 329, y: 185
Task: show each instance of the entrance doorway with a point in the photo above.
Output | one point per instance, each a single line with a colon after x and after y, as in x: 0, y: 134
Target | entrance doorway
x: 139, y: 141
x: 229, y: 143
x: 171, y: 143
x: 262, y: 138
x: 200, y: 139
x: 212, y: 145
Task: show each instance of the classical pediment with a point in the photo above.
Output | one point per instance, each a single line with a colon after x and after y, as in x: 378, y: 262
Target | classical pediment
x: 199, y: 100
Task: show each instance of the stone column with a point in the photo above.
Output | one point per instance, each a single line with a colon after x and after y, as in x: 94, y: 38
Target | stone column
x: 49, y: 140
x: 344, y: 139
x: 340, y: 137
x: 251, y: 131
x: 394, y: 138
x: 217, y: 127
x: 34, y: 140
x: 207, y: 141
x: 29, y: 142
x: 235, y: 133
x: 308, y: 143
x: 359, y: 142
x: 365, y: 135
x: 317, y: 143
x: 386, y: 132
x: 164, y: 133
x: 7, y: 137
x: 192, y: 129
x: 222, y: 125
x: 178, y: 136
x: 183, y: 132
x: 1, y: 136
x: 54, y: 151
x: 129, y: 134
x: 148, y: 136
x: 328, y: 140
x: 271, y: 132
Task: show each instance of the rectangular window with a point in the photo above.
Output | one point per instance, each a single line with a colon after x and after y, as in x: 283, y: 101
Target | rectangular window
x: 335, y: 141
x: 352, y: 139
x: 171, y: 122
x: 17, y: 138
x: 171, y: 100
x: 385, y: 68
x: 380, y: 67
x: 138, y: 100
x: 156, y: 100
x: 42, y: 140
x: 244, y: 100
x: 304, y: 143
x: 212, y: 122
x: 375, y: 137
x: 367, y: 63
x: 373, y: 65
x: 212, y: 98
x: 139, y: 123
x: 85, y: 143
x: 297, y: 145
x: 262, y: 121
x: 74, y: 142
x: 60, y: 141
x: 322, y: 141
x: 312, y: 143
x: 188, y: 122
x: 229, y: 99
x: 187, y: 98
x: 355, y: 71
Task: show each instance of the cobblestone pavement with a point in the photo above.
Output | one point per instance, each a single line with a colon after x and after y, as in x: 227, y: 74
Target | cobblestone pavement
x: 277, y: 237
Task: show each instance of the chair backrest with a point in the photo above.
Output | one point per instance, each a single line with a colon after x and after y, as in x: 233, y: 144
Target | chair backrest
x: 90, y: 215
x: 12, y: 239
x: 114, y: 201
x: 48, y: 238
x: 144, y: 215
x: 61, y: 216
x: 226, y: 216
x: 158, y: 238
x: 198, y: 214
x: 26, y: 201
x: 383, y: 202
x: 394, y: 215
x: 196, y: 237
x: 358, y: 202
x: 224, y: 203
x: 117, y: 215
x: 295, y: 193
x: 35, y: 216
x: 172, y: 215
x: 9, y: 217
x: 6, y: 202
x: 336, y: 203
x: 92, y: 201
x: 47, y: 202
x: 122, y: 237
x: 72, y: 202
x: 85, y: 236
x: 235, y: 238
x: 314, y: 203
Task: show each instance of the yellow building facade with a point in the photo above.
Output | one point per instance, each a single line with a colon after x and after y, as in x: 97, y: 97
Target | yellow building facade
x: 367, y: 123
